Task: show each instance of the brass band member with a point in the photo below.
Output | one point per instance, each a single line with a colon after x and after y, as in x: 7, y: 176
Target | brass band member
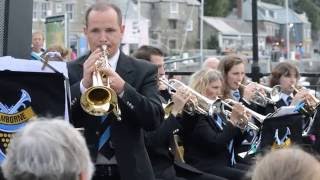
x: 209, y: 144
x: 161, y: 140
x: 117, y: 147
x: 287, y: 75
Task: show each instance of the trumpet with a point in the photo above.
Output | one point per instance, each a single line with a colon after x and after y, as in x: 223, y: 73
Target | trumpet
x: 220, y: 107
x: 271, y: 96
x: 100, y: 100
x: 202, y: 105
x: 206, y: 106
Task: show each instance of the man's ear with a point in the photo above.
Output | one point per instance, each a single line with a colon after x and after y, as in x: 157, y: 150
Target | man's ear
x: 122, y: 28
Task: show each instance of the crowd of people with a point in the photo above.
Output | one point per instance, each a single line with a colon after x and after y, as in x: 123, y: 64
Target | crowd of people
x: 216, y: 116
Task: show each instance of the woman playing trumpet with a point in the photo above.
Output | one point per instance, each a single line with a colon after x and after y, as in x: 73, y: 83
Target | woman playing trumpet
x: 287, y: 75
x: 209, y: 142
x: 159, y: 142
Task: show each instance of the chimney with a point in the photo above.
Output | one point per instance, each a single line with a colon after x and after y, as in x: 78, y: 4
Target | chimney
x: 239, y: 9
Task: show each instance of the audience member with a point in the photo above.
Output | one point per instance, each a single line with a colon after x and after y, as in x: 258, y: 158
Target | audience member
x: 50, y: 150
x: 287, y: 164
x: 37, y: 45
x: 211, y: 62
x: 56, y: 53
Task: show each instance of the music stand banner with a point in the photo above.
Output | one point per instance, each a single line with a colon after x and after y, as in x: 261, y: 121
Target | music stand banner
x: 26, y: 95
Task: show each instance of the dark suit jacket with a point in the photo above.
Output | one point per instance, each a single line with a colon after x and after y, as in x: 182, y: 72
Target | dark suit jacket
x: 158, y: 143
x: 206, y: 145
x: 140, y: 109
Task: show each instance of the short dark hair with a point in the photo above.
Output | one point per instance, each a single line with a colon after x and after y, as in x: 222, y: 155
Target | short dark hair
x: 102, y: 6
x: 283, y: 69
x: 145, y: 52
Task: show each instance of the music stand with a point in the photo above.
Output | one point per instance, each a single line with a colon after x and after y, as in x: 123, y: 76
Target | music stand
x: 280, y: 125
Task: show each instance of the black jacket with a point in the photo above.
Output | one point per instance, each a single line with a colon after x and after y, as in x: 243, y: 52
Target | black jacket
x: 140, y: 109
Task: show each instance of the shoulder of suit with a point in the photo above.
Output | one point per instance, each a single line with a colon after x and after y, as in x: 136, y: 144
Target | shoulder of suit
x: 143, y: 63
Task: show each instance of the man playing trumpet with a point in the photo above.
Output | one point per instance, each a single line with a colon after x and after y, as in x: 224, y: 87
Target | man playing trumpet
x: 116, y: 147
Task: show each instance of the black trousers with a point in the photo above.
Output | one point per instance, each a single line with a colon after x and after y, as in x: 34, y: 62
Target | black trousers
x: 106, y: 172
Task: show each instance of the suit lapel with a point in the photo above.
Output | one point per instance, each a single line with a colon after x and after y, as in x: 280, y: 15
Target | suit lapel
x: 280, y: 103
x: 125, y: 68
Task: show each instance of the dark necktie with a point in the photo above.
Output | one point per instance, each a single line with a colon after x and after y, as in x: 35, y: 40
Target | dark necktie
x: 231, y: 152
x: 219, y: 122
x: 289, y: 100
x: 104, y: 145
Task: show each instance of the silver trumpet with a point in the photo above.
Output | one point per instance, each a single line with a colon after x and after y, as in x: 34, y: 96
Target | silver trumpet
x: 221, y: 104
x: 271, y: 96
x: 206, y: 106
x: 202, y: 105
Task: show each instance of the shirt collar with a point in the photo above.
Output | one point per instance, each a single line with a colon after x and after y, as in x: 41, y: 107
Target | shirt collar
x: 232, y: 94
x: 284, y: 97
x: 113, y: 61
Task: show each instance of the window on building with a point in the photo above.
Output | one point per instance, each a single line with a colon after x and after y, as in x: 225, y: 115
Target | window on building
x: 172, y: 23
x: 174, y: 7
x: 154, y: 36
x: 70, y: 10
x: 263, y: 11
x: 59, y: 8
x: 172, y: 44
x: 189, y: 26
x: 35, y: 10
x: 45, y: 8
x: 271, y: 14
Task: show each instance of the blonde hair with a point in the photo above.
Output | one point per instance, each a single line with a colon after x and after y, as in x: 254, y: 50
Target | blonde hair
x: 287, y: 164
x: 200, y: 80
x: 64, y: 52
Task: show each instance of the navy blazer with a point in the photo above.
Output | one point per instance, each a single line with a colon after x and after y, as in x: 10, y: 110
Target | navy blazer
x: 206, y: 145
x: 140, y: 109
x: 158, y: 143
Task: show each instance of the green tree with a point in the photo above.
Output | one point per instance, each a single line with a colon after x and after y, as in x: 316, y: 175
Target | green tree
x: 313, y: 13
x: 216, y: 7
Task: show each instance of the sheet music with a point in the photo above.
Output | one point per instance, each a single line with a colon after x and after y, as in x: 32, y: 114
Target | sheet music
x: 284, y: 110
x: 26, y: 65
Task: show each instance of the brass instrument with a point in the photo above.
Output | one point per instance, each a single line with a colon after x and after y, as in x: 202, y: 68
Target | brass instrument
x: 271, y: 96
x: 220, y: 107
x: 100, y: 100
x: 206, y: 106
x: 308, y: 108
x: 203, y: 105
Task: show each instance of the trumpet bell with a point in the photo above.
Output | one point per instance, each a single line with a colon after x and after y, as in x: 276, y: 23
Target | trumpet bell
x: 98, y: 100
x: 167, y: 109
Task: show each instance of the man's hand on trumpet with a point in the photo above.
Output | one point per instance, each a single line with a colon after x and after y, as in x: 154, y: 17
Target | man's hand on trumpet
x: 239, y: 116
x: 116, y: 82
x: 162, y: 86
x: 179, y: 99
x: 89, y: 66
